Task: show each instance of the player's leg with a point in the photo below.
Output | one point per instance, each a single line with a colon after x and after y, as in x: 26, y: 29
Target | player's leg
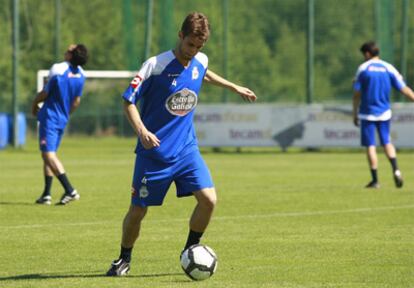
x: 368, y: 141
x: 193, y: 178
x: 46, y: 197
x: 151, y: 182
x: 373, y: 165
x: 54, y: 137
x: 48, y: 143
x: 206, y: 202
x: 392, y: 157
x: 131, y: 227
x: 389, y: 149
x: 54, y: 164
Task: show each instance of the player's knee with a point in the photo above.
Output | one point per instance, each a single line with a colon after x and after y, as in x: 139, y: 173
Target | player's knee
x: 209, y: 198
x: 136, y: 213
x: 49, y: 157
x: 46, y: 156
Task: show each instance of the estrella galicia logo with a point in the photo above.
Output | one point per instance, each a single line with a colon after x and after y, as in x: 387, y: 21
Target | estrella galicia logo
x: 181, y: 102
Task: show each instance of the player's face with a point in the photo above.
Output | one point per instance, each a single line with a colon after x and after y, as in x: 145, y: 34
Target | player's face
x: 189, y: 46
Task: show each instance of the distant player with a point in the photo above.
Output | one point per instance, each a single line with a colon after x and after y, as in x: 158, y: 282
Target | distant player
x: 60, y: 97
x: 167, y: 87
x: 372, y: 110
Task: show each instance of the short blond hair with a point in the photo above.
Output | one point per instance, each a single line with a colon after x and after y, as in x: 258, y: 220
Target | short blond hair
x: 196, y: 24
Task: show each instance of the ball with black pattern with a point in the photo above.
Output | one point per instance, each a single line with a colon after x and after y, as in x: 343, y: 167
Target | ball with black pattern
x: 199, y: 262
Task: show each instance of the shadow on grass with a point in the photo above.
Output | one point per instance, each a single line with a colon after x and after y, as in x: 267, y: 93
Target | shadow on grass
x: 65, y: 276
x: 18, y: 203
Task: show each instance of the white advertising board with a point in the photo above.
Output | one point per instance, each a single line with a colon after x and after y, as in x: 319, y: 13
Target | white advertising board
x: 299, y: 126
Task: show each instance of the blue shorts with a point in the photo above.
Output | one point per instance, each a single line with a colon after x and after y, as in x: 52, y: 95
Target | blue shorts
x: 153, y: 178
x: 49, y: 138
x: 368, y: 132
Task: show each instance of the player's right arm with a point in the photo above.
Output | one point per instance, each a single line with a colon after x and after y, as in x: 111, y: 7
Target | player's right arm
x: 131, y: 96
x: 148, y: 139
x: 75, y: 104
x: 40, y: 97
x: 356, y: 99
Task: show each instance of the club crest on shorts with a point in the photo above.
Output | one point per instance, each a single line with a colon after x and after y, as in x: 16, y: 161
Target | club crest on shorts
x: 181, y: 103
x: 143, y: 191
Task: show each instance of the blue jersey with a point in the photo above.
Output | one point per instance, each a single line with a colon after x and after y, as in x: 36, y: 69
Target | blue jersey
x: 168, y: 94
x: 374, y: 79
x: 64, y: 85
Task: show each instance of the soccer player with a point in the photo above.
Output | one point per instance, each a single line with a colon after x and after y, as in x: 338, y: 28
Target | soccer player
x: 60, y: 97
x: 372, y: 110
x: 167, y: 87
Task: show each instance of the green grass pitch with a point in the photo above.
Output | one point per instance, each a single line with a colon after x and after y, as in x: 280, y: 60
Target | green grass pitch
x: 289, y: 220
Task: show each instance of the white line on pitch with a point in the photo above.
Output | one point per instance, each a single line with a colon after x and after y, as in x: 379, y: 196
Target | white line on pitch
x: 316, y: 213
x: 272, y: 215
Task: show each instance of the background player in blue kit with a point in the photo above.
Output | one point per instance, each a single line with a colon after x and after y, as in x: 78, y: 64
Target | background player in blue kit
x: 371, y: 106
x: 60, y: 97
x: 167, y: 88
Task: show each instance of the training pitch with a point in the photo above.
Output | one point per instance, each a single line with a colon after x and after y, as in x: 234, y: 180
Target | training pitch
x: 289, y: 220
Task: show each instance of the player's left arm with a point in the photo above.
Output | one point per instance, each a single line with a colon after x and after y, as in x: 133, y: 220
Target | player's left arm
x: 245, y: 93
x: 407, y: 92
x: 40, y: 97
x: 75, y: 104
x: 398, y: 83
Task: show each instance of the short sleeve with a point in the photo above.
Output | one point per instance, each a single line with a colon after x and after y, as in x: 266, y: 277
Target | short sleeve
x: 133, y: 90
x: 397, y: 80
x: 357, y: 81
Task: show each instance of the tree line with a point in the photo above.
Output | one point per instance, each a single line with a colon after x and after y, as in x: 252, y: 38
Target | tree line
x: 266, y: 44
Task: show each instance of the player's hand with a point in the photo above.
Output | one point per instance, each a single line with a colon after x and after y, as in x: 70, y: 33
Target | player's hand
x: 149, y: 140
x: 246, y: 93
x: 356, y: 121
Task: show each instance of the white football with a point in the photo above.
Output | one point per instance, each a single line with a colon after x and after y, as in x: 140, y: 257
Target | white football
x: 199, y: 262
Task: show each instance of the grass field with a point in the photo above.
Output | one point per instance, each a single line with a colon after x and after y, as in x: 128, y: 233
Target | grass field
x: 283, y: 220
